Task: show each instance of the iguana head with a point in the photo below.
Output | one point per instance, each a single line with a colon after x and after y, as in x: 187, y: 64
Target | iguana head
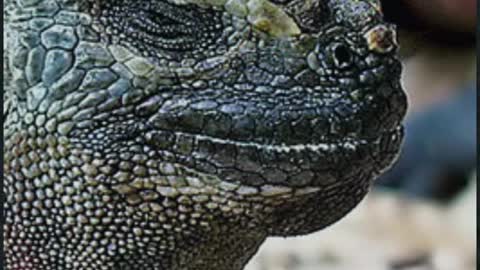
x: 195, y: 121
x: 291, y: 94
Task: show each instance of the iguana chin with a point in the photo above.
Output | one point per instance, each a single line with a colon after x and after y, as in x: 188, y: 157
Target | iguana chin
x: 180, y: 134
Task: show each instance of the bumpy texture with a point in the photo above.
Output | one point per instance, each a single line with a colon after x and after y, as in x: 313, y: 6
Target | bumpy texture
x: 179, y: 134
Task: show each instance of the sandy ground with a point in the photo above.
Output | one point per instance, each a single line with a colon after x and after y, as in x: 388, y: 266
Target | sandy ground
x: 385, y: 232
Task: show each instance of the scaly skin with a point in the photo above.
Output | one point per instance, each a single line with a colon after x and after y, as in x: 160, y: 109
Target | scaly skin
x: 168, y: 134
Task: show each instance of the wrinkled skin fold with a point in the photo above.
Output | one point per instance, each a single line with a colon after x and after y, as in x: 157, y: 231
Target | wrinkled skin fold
x: 168, y: 134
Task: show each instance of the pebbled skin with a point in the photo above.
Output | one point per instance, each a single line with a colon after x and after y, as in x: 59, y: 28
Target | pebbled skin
x: 169, y: 135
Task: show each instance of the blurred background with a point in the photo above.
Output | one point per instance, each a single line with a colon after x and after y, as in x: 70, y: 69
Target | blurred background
x: 421, y: 215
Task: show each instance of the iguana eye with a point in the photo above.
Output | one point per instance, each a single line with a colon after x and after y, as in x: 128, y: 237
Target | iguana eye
x: 342, y: 56
x: 159, y: 27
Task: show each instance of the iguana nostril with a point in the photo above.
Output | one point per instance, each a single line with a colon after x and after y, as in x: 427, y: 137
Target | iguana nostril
x: 337, y: 55
x: 342, y: 56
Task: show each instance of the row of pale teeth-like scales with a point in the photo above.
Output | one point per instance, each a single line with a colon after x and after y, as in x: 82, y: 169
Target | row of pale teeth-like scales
x: 277, y: 148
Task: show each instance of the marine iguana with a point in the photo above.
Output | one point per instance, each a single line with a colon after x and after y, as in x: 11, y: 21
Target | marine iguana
x: 180, y: 134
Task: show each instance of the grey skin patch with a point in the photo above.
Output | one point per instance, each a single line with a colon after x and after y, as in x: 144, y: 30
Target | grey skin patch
x: 180, y: 134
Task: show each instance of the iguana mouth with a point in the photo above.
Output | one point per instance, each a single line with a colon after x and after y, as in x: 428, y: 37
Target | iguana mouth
x: 303, y: 138
x: 296, y: 165
x: 346, y: 142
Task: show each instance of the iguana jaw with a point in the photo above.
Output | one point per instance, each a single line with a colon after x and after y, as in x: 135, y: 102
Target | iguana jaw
x: 315, y: 185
